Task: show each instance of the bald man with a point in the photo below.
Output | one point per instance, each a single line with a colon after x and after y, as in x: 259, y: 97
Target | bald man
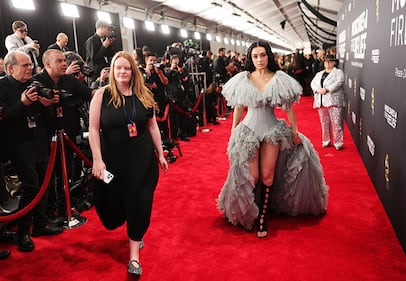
x: 61, y: 43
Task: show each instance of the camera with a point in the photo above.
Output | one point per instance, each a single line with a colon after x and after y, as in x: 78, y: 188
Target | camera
x: 111, y: 35
x: 161, y: 66
x: 42, y: 90
x: 71, y: 56
x: 48, y: 92
x: 86, y: 70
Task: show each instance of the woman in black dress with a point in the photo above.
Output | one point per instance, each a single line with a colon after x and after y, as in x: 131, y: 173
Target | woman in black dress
x: 125, y: 140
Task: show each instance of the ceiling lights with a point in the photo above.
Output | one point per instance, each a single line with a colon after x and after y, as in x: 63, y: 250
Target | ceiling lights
x: 23, y: 4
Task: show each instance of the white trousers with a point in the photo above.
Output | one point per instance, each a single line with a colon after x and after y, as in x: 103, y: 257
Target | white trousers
x: 332, y: 117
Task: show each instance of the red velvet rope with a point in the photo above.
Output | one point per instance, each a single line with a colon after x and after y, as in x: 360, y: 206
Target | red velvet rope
x: 48, y: 174
x: 42, y: 190
x: 77, y: 151
x: 165, y: 116
x: 199, y: 100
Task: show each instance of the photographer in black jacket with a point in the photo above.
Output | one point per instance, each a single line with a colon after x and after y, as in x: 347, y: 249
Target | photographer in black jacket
x: 99, y: 49
x: 156, y: 80
x: 27, y: 142
x: 177, y: 90
x: 3, y: 191
x: 73, y: 93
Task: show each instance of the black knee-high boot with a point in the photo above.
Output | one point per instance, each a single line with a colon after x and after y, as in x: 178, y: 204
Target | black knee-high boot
x: 262, y: 197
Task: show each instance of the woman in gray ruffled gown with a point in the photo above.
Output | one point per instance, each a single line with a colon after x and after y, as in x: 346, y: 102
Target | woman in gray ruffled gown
x: 264, y: 153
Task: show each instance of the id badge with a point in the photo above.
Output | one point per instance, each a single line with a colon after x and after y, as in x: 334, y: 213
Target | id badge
x: 31, y: 122
x: 132, y: 130
x: 59, y: 112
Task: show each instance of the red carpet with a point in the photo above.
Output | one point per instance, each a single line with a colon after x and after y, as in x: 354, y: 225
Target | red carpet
x: 189, y: 240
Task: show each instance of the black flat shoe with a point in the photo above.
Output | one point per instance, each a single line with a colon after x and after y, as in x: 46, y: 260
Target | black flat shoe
x: 55, y: 220
x: 46, y: 231
x: 4, y: 254
x: 24, y: 243
x: 132, y: 269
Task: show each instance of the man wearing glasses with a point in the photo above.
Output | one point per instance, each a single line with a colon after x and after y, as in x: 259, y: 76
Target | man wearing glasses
x: 20, y: 41
x: 26, y: 135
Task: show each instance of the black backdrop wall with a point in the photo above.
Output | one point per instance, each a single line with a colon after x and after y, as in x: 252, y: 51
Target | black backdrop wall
x: 47, y: 21
x: 371, y: 48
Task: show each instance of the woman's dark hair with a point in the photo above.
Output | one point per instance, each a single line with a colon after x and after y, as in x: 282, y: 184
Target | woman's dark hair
x: 272, y: 66
x: 140, y: 57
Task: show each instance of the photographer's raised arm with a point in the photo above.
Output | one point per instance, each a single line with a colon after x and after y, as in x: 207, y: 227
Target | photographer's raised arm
x: 73, y: 68
x: 162, y: 76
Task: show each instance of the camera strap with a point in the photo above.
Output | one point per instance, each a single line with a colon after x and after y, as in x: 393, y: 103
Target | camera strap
x: 131, y: 126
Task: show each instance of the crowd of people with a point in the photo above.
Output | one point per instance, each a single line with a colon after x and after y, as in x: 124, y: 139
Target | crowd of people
x: 160, y: 100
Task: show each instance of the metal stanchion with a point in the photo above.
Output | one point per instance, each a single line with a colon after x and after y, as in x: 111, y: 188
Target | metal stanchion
x: 196, y: 76
x: 70, y: 222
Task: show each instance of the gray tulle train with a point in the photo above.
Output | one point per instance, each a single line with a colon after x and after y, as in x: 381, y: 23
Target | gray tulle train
x: 299, y: 186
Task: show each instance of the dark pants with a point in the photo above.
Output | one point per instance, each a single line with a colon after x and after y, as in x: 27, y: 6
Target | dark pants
x: 3, y: 190
x: 30, y: 163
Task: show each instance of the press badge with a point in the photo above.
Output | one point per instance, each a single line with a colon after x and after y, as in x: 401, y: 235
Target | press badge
x: 59, y: 112
x: 132, y: 130
x: 31, y: 122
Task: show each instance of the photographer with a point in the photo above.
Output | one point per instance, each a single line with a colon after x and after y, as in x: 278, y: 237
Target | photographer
x: 73, y: 93
x: 20, y: 41
x: 99, y: 48
x: 3, y: 191
x: 27, y: 141
x: 102, y: 80
x: 177, y: 94
x: 61, y: 42
x: 76, y: 66
x: 156, y: 80
x: 219, y: 67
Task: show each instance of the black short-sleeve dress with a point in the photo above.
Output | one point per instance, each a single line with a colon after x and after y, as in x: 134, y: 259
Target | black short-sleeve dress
x: 132, y: 161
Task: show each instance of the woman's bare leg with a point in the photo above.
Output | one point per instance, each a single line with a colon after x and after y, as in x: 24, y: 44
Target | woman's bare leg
x: 254, y: 169
x: 135, y: 257
x: 268, y: 158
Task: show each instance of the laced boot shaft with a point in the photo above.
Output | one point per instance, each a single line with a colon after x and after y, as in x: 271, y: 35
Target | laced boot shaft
x: 262, y: 200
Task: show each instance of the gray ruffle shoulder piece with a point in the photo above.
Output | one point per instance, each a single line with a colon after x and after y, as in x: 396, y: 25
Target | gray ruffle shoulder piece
x: 281, y: 91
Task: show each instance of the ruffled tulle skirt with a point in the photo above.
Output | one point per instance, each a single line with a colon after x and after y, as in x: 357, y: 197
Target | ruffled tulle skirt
x: 299, y: 186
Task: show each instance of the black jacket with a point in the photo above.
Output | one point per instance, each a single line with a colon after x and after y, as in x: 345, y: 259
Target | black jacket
x: 72, y: 94
x: 16, y: 130
x: 57, y: 47
x: 97, y: 56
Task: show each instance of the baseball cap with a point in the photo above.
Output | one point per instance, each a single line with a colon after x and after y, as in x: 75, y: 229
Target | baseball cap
x: 101, y: 23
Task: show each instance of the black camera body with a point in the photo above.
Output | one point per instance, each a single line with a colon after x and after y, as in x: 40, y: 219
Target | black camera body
x: 86, y: 70
x: 72, y: 56
x: 111, y: 35
x: 42, y: 90
x: 161, y: 66
x: 49, y: 93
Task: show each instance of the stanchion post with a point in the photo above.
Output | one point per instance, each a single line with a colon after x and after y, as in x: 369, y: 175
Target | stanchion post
x: 70, y: 221
x: 202, y: 74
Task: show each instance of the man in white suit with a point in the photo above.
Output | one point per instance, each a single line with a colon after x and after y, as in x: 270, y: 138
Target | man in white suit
x: 327, y: 86
x: 20, y: 41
